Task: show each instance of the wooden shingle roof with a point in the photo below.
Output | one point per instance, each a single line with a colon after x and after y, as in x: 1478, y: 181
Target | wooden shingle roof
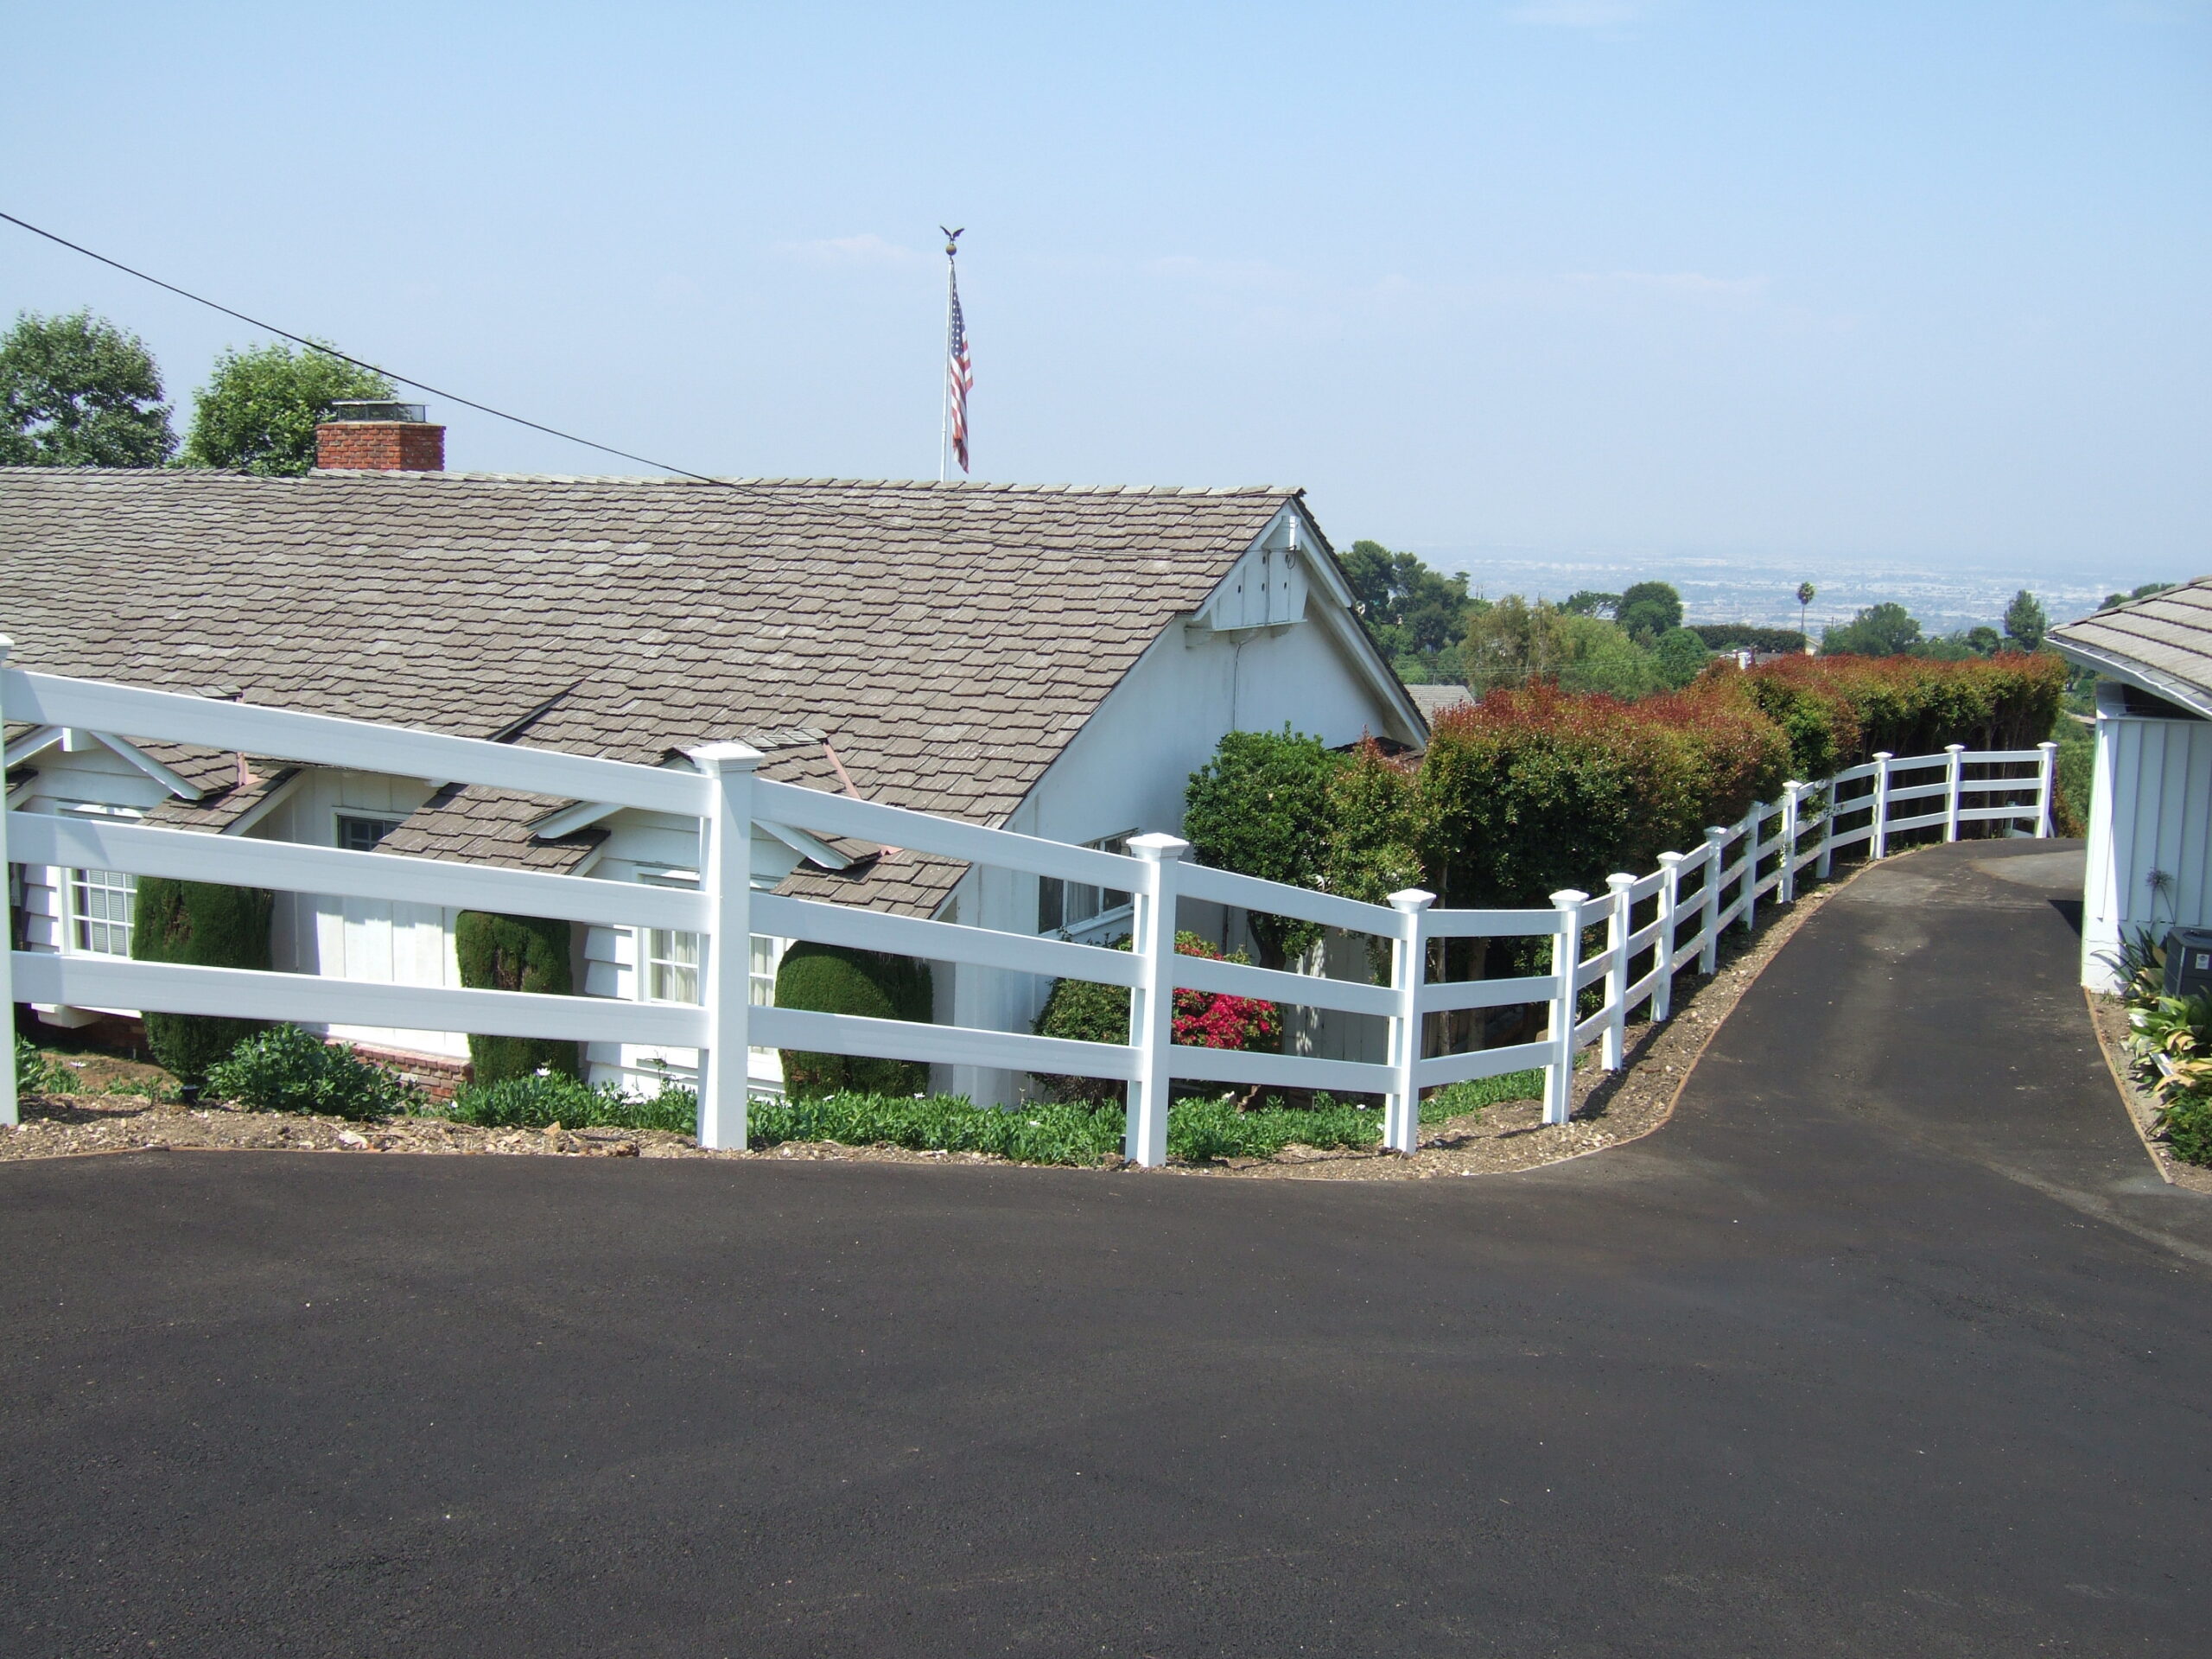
x: 948, y: 640
x: 2162, y: 642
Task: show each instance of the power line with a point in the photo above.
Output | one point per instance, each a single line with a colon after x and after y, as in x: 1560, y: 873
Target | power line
x: 332, y: 351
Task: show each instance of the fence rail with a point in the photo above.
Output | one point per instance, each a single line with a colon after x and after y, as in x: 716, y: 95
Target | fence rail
x: 1588, y: 994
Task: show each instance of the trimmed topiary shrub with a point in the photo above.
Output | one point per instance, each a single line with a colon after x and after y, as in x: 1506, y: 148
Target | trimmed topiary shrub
x: 287, y: 1070
x: 515, y: 953
x: 832, y: 979
x: 202, y: 926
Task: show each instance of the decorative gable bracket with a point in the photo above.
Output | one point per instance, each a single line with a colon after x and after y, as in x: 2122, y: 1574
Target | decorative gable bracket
x: 1266, y: 590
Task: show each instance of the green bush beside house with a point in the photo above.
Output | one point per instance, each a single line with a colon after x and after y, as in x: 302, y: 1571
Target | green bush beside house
x: 199, y: 925
x: 516, y: 953
x: 832, y: 979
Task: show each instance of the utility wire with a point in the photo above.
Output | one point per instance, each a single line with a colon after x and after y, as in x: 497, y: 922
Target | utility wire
x: 332, y: 351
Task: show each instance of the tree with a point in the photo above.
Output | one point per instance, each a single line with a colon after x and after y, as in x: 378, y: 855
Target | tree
x: 1260, y: 807
x: 1886, y: 630
x: 1649, y: 609
x: 2025, y: 622
x: 2143, y: 592
x: 1414, y: 614
x: 79, y: 391
x: 1589, y: 602
x: 259, y: 410
x: 1983, y: 641
x: 1804, y: 604
x: 1681, y: 657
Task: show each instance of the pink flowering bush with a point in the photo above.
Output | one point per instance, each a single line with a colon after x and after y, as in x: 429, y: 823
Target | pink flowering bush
x: 1091, y: 1012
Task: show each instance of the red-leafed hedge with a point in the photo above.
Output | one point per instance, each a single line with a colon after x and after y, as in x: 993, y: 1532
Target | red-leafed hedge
x: 1531, y: 790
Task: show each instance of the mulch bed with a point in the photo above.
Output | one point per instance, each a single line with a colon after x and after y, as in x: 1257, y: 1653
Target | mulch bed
x: 1610, y: 1108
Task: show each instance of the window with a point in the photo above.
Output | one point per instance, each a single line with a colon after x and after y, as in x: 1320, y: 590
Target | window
x: 99, y: 910
x: 361, y: 834
x: 1064, y: 906
x: 767, y: 954
x: 672, y: 965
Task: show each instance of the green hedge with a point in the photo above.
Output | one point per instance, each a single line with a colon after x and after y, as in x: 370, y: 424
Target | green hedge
x: 831, y: 979
x: 516, y: 953
x: 202, y: 926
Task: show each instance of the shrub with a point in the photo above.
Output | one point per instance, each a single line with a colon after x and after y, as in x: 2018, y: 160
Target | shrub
x: 1838, y: 711
x: 515, y: 953
x: 832, y: 979
x: 206, y: 927
x: 1057, y: 1134
x: 36, y: 1075
x: 284, y: 1069
x: 1200, y: 1129
x: 1259, y: 807
x: 2186, y: 1121
x: 2078, y: 776
x: 541, y: 1100
x: 1085, y: 1011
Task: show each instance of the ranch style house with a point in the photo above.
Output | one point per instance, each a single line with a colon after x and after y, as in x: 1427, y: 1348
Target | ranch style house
x: 1052, y: 660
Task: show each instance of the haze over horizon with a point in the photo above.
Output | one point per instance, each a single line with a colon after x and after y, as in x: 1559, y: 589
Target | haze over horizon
x: 1647, y: 283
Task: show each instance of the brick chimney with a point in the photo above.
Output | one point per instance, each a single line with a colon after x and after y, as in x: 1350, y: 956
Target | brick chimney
x: 380, y: 437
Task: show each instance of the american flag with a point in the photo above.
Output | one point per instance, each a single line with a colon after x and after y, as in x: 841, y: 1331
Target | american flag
x: 960, y: 377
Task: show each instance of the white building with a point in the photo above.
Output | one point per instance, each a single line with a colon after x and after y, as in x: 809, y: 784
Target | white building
x: 2150, y: 855
x: 1052, y: 660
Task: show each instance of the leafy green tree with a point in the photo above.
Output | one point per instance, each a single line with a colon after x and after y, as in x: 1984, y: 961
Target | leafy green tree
x: 1411, y: 612
x: 1260, y: 807
x: 2025, y: 622
x: 1679, y: 657
x: 76, y: 391
x: 1885, y: 630
x: 1983, y: 641
x: 259, y: 408
x: 1649, y: 609
x: 1590, y: 602
x: 1733, y: 636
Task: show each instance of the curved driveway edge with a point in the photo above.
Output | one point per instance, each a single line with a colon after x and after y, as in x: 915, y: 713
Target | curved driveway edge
x: 1889, y: 1343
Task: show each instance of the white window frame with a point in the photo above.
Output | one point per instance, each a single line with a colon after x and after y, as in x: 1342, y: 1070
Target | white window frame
x: 1057, y: 901
x: 78, y: 883
x: 665, y: 948
x: 341, y: 816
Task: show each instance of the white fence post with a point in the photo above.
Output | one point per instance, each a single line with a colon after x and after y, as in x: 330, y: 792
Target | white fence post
x: 1566, y: 959
x: 1828, y: 830
x: 1670, y: 901
x: 1751, y: 863
x: 1408, y: 972
x: 1881, y: 843
x: 2046, y: 785
x: 1152, y: 1004
x: 1716, y: 846
x: 1616, y: 932
x: 1952, y: 770
x: 725, y: 876
x: 1785, y: 886
x: 7, y: 991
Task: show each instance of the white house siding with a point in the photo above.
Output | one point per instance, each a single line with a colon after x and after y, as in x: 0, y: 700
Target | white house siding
x: 2152, y: 813
x: 359, y: 938
x: 85, y: 775
x: 1127, y: 769
x: 661, y: 849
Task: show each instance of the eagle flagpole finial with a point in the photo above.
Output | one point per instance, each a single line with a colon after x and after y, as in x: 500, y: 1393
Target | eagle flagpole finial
x: 951, y: 240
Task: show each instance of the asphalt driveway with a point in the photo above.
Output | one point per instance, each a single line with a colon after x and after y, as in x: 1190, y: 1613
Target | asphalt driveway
x: 1890, y: 1343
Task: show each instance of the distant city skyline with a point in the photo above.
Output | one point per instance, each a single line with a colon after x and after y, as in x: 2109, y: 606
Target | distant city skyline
x: 1800, y: 287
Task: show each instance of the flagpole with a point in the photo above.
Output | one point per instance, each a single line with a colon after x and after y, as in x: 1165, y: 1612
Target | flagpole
x: 944, y: 388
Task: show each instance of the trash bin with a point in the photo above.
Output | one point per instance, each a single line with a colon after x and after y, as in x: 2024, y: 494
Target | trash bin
x: 2188, y: 961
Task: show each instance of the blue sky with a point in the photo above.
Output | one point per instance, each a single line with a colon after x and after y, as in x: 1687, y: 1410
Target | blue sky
x: 1922, y: 283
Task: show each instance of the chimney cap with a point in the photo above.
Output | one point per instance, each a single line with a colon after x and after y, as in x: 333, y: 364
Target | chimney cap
x: 375, y: 408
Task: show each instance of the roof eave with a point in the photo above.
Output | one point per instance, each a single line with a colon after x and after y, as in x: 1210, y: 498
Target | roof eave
x: 2195, y: 698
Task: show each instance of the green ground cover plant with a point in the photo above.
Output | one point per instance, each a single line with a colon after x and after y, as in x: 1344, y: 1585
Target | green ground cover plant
x: 284, y: 1069
x: 2179, y: 1031
x: 542, y: 1099
x: 37, y: 1075
x: 1461, y: 1098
